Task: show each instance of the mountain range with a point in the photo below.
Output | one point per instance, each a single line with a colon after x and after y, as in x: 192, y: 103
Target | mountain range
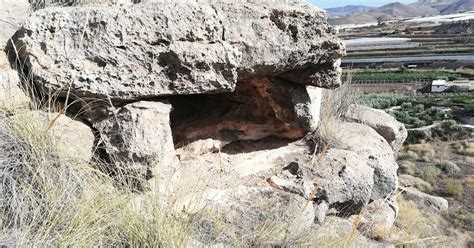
x: 355, y: 14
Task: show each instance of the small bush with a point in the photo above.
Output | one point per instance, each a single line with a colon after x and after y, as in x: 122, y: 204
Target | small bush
x: 382, y: 101
x: 464, y: 148
x: 454, y: 188
x: 408, y: 167
x: 429, y: 173
x: 449, y: 130
x: 449, y: 168
x: 406, y: 106
x: 417, y: 136
x: 419, y: 108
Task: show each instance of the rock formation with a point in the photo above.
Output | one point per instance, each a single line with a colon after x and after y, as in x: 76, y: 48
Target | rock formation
x: 218, y: 101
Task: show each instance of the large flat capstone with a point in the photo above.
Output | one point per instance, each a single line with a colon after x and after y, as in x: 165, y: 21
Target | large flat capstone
x: 140, y: 51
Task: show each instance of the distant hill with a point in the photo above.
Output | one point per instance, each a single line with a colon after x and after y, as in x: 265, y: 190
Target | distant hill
x: 348, y: 10
x: 399, y: 10
x: 387, y: 12
x: 437, y: 4
x: 461, y: 6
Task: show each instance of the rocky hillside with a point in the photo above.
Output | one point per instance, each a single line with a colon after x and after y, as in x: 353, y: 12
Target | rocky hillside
x: 348, y: 10
x: 397, y: 10
x: 213, y: 110
x: 457, y: 7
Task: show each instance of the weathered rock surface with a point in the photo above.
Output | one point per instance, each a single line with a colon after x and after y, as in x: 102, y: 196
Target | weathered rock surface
x: 256, y: 110
x: 149, y: 50
x: 11, y: 94
x: 377, y: 219
x: 138, y: 137
x: 386, y: 125
x: 377, y: 153
x: 12, y: 15
x: 433, y: 203
x: 253, y: 209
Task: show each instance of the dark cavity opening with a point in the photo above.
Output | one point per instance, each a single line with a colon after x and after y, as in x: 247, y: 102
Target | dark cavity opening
x: 245, y: 120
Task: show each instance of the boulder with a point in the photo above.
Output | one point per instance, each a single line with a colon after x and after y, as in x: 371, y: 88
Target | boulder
x: 434, y: 203
x: 138, y: 139
x: 377, y: 220
x: 345, y: 181
x: 376, y: 153
x: 418, y: 183
x: 127, y: 53
x: 386, y: 125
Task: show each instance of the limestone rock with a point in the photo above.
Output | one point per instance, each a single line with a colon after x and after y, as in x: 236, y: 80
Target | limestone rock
x: 12, y: 16
x: 377, y: 153
x: 377, y: 220
x: 138, y: 137
x: 346, y: 181
x: 256, y: 110
x: 146, y: 50
x: 434, y: 203
x: 249, y: 209
x: 386, y: 125
x: 12, y: 96
x: 418, y: 183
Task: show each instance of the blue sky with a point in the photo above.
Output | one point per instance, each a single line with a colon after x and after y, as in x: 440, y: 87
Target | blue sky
x: 335, y: 3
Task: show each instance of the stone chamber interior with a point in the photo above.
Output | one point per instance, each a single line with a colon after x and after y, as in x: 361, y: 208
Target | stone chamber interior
x: 244, y: 120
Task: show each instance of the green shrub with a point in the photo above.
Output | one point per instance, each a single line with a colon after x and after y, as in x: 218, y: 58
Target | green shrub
x: 449, y: 130
x: 406, y: 106
x: 429, y: 173
x: 382, y: 101
x: 417, y: 136
x: 419, y: 108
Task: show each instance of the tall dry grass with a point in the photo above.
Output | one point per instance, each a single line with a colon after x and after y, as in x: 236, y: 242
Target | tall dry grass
x: 334, y: 105
x: 51, y: 200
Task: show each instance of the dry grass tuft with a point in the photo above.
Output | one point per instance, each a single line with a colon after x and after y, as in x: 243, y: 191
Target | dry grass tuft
x: 414, y: 226
x: 464, y: 148
x: 334, y: 105
x: 454, y: 188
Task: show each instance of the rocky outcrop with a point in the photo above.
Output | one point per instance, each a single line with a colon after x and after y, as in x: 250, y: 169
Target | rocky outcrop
x: 138, y: 135
x: 218, y: 101
x: 129, y: 54
x: 375, y: 151
x: 433, y: 203
x: 386, y: 125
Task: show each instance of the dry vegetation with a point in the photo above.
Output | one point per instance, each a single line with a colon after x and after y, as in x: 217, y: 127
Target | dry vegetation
x: 49, y: 199
x: 414, y: 226
x: 464, y: 148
